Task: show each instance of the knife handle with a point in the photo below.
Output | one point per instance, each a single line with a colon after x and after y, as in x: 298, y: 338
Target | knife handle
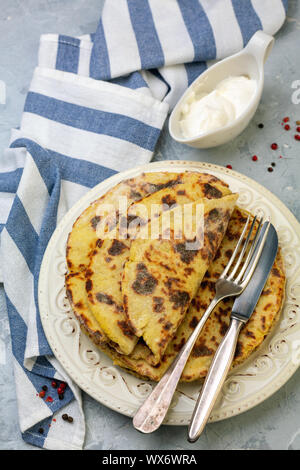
x: 214, y: 380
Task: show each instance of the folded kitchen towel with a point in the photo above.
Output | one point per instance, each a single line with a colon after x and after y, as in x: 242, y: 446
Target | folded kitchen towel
x: 96, y: 105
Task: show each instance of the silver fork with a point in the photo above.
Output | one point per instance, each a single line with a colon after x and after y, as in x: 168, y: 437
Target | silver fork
x: 151, y: 414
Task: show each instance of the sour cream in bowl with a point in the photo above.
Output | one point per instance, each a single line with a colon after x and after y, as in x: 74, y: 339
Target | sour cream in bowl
x: 219, y: 104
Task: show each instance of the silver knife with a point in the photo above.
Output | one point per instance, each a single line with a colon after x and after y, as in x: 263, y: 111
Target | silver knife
x: 242, y: 310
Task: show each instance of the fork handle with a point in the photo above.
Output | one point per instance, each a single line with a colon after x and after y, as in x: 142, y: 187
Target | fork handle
x: 214, y: 380
x: 151, y: 414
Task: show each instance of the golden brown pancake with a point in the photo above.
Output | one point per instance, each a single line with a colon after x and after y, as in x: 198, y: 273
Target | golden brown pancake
x: 162, y: 276
x: 263, y: 319
x: 104, y: 273
x: 83, y: 239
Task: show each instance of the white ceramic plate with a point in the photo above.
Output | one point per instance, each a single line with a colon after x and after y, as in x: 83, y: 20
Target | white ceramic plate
x: 249, y: 384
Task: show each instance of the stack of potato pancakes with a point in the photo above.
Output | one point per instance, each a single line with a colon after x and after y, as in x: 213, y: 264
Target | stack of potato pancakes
x: 139, y: 281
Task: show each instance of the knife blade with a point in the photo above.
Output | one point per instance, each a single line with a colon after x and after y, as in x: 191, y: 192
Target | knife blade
x: 243, y: 307
x: 244, y: 304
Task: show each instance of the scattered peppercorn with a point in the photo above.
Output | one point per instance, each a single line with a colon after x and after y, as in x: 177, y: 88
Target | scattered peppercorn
x: 286, y: 119
x: 287, y: 127
x: 229, y: 166
x: 60, y: 390
x: 65, y: 417
x: 261, y: 126
x: 54, y: 384
x: 61, y: 396
x: 49, y: 399
x: 255, y: 158
x: 70, y: 419
x: 297, y: 136
x: 45, y: 388
x: 270, y: 169
x: 42, y: 394
x: 63, y: 385
x: 41, y: 430
x: 273, y: 164
x: 274, y: 146
x: 298, y: 123
x: 298, y: 129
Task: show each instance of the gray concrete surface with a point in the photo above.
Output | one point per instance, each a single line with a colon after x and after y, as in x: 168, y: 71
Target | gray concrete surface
x: 273, y: 424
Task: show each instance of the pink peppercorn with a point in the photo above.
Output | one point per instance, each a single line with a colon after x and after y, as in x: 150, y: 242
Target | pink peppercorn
x: 274, y: 146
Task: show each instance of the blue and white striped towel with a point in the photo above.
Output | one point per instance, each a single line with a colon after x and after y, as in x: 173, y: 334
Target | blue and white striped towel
x: 96, y: 105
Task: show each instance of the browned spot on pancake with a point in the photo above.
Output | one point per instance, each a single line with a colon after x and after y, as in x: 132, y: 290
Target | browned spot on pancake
x: 268, y: 306
x: 167, y: 326
x: 126, y: 329
x: 210, y: 285
x: 266, y: 292
x: 263, y: 322
x: 201, y: 350
x: 167, y: 199
x: 88, y: 285
x: 158, y: 304
x: 188, y: 271
x: 116, y: 248
x: 224, y: 311
x: 186, y: 256
x: 69, y: 294
x: 88, y: 273
x: 99, y: 242
x: 180, y: 298
x: 211, y: 239
x: 211, y: 192
x: 107, y: 259
x: 170, y: 281
x: 95, y: 221
x: 250, y: 334
x: 239, y: 349
x: 145, y: 283
x: 69, y: 264
x: 168, y: 184
x: 148, y: 256
x: 125, y: 303
x: 275, y: 272
x: 232, y: 236
x: 181, y: 192
x: 223, y: 328
x: 194, y: 322
x: 162, y: 343
x: 178, y: 346
x: 213, y: 215
x: 135, y: 195
x: 79, y: 305
x: 228, y: 253
x: 104, y: 298
x: 165, y: 266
